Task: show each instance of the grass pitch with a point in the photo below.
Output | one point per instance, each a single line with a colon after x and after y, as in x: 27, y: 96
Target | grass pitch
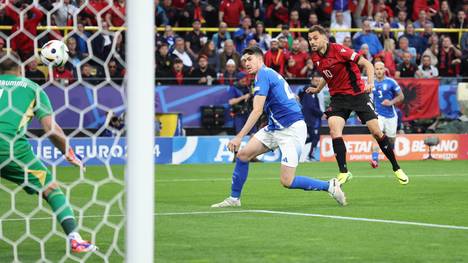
x: 425, y: 221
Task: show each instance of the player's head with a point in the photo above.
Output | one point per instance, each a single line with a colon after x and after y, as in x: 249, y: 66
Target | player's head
x: 318, y: 39
x: 252, y: 58
x: 9, y: 64
x: 379, y: 68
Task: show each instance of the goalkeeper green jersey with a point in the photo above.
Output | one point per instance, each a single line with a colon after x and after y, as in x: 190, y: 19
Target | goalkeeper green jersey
x: 20, y: 100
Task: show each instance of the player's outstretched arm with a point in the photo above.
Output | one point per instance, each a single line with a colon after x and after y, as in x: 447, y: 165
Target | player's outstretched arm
x: 369, y: 68
x: 59, y: 139
x: 258, y: 103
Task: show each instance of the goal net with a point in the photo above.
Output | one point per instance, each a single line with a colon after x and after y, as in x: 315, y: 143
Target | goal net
x: 88, y: 101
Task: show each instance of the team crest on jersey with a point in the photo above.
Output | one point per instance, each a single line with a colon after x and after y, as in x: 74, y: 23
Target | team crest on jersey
x: 343, y: 50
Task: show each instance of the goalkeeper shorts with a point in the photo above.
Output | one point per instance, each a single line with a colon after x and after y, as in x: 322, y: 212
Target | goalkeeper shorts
x: 27, y: 170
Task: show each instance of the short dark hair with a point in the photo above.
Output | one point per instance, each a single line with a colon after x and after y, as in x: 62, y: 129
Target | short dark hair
x: 9, y: 62
x: 319, y: 29
x: 255, y: 50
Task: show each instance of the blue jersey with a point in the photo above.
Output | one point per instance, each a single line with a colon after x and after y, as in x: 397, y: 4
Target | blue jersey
x: 280, y: 104
x: 387, y: 89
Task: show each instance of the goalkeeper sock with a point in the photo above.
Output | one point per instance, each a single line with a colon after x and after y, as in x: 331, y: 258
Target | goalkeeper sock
x: 309, y: 184
x: 59, y: 204
x: 386, y: 148
x: 339, y: 148
x: 239, y: 176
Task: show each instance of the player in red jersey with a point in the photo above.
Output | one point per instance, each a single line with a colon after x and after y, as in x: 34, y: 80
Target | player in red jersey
x: 339, y: 67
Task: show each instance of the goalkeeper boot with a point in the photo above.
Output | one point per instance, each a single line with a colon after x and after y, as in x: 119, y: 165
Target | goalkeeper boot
x: 336, y: 192
x: 228, y: 202
x: 79, y: 245
x: 344, y: 177
x: 402, y: 177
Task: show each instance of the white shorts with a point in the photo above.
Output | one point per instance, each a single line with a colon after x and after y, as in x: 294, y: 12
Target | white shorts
x: 388, y: 125
x: 290, y: 140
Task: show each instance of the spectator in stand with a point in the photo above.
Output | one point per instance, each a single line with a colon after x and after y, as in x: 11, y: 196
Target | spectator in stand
x: 430, y: 7
x: 348, y: 42
x: 169, y: 36
x: 364, y: 52
x: 400, y: 22
x: 406, y: 69
x: 313, y: 20
x: 386, y: 56
x: 203, y: 74
x: 284, y: 45
x: 449, y: 59
x: 415, y: 40
x: 341, y: 6
x: 243, y: 34
x: 194, y: 10
x: 252, y: 43
x: 369, y: 38
x: 35, y: 74
x: 229, y: 75
x: 64, y: 12
x: 426, y: 70
x: 231, y: 12
x: 119, y: 39
x: 75, y: 57
x: 286, y: 34
x: 385, y: 9
x: 102, y: 43
x: 21, y: 43
x: 403, y: 43
x: 310, y: 71
x: 422, y: 20
x: 458, y: 23
x: 178, y: 75
x: 402, y: 5
x: 378, y: 21
x: 239, y: 95
x: 163, y: 61
x: 194, y: 39
x: 2, y: 46
x: 92, y: 9
x: 253, y: 9
x: 427, y: 34
x: 276, y: 14
x: 179, y: 51
x: 297, y: 61
x: 304, y: 9
x: 63, y: 76
x: 116, y: 74
x: 386, y: 33
x: 221, y: 36
x: 81, y: 36
x: 171, y: 12
x: 364, y: 9
x: 433, y: 50
x: 209, y: 50
x: 275, y: 58
x: 229, y: 52
x: 444, y: 16
x: 339, y: 24
x: 161, y: 18
x: 464, y: 58
x: 116, y: 15
x: 263, y: 39
x: 294, y: 22
x: 88, y: 76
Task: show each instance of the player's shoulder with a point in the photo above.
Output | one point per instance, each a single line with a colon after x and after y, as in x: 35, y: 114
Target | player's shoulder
x: 335, y: 47
x: 391, y: 81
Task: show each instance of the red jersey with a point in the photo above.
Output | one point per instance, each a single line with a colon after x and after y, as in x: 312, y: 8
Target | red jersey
x: 338, y: 66
x: 232, y: 11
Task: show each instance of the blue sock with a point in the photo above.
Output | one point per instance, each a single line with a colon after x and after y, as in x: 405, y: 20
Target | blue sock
x: 375, y: 156
x: 238, y: 177
x: 308, y: 184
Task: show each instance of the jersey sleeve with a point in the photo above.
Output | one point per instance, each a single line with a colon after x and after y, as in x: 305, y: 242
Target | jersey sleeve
x: 43, y: 107
x: 347, y: 54
x: 395, y: 87
x: 261, y: 83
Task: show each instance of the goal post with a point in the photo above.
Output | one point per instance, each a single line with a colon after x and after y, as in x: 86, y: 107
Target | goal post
x: 139, y: 175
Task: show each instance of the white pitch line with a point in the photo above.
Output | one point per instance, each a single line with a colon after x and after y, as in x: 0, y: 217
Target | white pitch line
x: 362, y: 219
x: 277, y: 178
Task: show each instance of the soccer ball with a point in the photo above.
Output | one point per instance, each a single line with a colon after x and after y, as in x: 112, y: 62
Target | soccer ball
x: 54, y: 53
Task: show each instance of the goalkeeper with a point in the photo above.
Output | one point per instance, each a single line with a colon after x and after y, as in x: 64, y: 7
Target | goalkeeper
x: 20, y: 100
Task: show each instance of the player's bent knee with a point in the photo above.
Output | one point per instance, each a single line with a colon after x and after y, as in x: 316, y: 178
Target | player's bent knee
x: 243, y: 156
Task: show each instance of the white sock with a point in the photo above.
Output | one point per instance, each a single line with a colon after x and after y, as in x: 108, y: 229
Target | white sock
x: 75, y: 235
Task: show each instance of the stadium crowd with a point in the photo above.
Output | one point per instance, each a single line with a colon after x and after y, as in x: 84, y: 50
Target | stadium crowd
x: 196, y: 57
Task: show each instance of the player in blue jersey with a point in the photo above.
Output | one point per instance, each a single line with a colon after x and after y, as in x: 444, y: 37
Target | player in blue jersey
x: 286, y: 129
x: 387, y: 93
